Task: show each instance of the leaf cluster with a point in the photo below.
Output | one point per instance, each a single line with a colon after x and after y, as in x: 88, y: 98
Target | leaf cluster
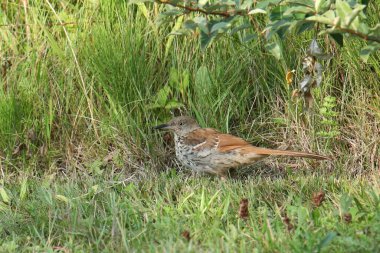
x: 213, y: 18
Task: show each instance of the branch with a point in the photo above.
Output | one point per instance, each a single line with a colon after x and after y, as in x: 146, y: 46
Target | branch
x: 197, y: 9
x: 364, y: 36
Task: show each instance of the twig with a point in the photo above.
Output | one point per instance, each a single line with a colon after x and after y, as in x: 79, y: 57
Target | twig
x: 360, y: 35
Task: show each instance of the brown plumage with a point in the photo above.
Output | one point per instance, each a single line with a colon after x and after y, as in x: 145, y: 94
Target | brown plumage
x: 208, y: 150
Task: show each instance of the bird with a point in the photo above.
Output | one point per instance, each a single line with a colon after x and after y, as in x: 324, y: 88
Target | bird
x: 211, y: 151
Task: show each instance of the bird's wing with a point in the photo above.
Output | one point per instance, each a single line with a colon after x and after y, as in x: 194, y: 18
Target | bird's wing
x: 209, y: 138
x: 202, y: 138
x: 228, y: 142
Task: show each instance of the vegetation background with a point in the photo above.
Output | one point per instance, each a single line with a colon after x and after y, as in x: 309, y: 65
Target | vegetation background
x: 83, y: 82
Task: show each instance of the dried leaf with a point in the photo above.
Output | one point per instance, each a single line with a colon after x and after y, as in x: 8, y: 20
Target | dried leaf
x: 318, y: 198
x: 108, y: 158
x: 243, y: 209
x: 319, y: 72
x: 168, y: 139
x: 347, y: 217
x: 288, y: 223
x: 31, y: 134
x: 295, y: 93
x: 43, y: 150
x: 308, y: 64
x: 186, y: 234
x: 315, y: 50
x: 308, y: 99
x: 289, y: 77
x: 18, y: 149
x: 306, y: 83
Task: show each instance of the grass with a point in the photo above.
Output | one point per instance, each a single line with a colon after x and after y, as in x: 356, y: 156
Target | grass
x: 152, y: 215
x: 82, y: 170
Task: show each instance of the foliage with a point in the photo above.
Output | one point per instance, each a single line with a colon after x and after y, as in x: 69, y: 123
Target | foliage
x: 329, y: 118
x: 336, y: 18
x: 170, y: 94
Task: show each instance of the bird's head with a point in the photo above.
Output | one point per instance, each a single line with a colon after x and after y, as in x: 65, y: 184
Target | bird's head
x: 180, y: 125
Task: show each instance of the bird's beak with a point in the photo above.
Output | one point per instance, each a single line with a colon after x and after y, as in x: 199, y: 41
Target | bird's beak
x: 162, y: 127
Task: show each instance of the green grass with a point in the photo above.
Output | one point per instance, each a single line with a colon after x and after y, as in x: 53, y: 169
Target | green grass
x: 77, y: 81
x: 151, y: 215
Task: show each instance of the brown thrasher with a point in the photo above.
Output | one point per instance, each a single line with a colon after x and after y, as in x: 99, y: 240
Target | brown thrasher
x: 207, y: 150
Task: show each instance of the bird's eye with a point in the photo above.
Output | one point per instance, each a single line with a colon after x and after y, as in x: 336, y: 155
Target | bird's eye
x: 181, y: 124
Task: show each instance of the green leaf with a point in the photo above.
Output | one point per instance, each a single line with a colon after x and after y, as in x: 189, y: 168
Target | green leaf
x: 338, y: 38
x: 62, y: 198
x: 257, y: 11
x: 277, y: 13
x: 190, y: 24
x: 321, y: 19
x: 274, y: 49
x: 203, y: 82
x: 173, y: 104
x: 24, y: 188
x: 303, y: 26
x: 363, y: 28
x: 343, y: 10
x: 162, y: 95
x: 318, y: 4
x: 369, y: 49
x: 309, y: 3
x: 202, y: 24
x: 241, y: 27
x: 249, y: 38
x: 172, y: 12
x: 206, y: 40
x: 220, y: 26
x: 329, y: 14
x: 375, y: 30
x: 185, y: 81
x: 279, y: 27
x: 173, y: 78
x: 353, y: 19
x: 4, y: 195
x: 297, y: 9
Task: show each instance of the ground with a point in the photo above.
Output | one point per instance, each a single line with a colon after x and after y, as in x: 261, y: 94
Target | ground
x: 177, y: 212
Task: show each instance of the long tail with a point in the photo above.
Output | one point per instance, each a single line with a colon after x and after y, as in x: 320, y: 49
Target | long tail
x: 265, y: 151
